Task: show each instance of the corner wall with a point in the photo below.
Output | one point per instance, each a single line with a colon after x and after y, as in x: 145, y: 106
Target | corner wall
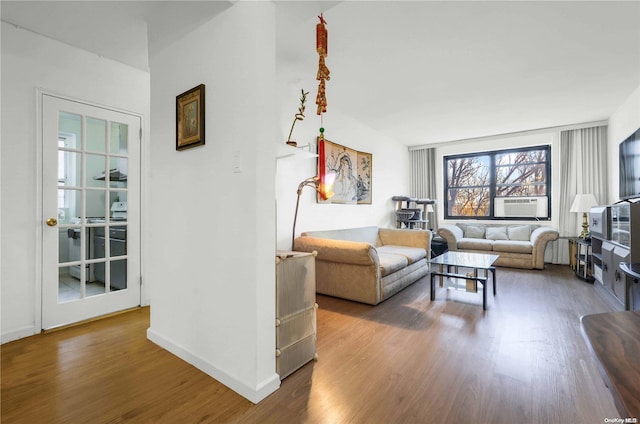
x: 211, y: 224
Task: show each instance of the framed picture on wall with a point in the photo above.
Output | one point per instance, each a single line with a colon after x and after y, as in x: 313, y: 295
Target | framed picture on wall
x: 347, y: 170
x: 190, y: 118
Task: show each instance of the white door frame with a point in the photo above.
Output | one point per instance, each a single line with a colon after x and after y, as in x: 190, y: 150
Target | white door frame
x: 40, y: 92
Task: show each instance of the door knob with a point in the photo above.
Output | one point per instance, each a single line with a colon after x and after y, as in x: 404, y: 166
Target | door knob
x: 52, y: 222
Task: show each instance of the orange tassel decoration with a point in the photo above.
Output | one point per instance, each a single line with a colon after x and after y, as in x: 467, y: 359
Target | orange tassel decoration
x: 323, y: 71
x: 321, y: 37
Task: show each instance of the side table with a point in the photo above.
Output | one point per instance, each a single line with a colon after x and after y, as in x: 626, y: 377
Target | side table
x: 438, y: 246
x: 580, y: 254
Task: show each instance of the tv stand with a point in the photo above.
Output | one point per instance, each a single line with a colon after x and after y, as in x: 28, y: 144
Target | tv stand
x: 613, y: 243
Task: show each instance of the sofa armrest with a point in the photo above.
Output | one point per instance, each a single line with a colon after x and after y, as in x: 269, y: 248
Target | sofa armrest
x: 542, y: 235
x: 539, y: 238
x: 340, y: 251
x: 452, y: 234
x: 409, y: 238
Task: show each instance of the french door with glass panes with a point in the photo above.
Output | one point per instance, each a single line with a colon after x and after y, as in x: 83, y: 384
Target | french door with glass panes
x: 90, y: 210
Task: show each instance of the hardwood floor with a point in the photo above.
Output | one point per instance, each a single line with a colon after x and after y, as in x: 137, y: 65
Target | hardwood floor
x: 407, y: 360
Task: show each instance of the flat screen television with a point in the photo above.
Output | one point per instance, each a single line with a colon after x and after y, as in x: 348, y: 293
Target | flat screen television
x: 630, y: 167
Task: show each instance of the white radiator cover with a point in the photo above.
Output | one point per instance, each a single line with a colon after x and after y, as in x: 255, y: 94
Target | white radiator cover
x: 521, y: 207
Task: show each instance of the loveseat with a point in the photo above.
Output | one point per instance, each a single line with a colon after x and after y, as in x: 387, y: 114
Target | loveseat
x: 367, y: 264
x: 518, y: 245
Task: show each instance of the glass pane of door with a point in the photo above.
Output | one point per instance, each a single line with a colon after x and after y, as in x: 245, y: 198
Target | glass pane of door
x: 92, y: 253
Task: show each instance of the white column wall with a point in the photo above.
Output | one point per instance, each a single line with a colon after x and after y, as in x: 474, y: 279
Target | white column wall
x: 211, y: 223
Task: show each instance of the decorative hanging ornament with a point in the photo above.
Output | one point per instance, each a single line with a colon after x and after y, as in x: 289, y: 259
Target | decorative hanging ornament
x: 323, y: 71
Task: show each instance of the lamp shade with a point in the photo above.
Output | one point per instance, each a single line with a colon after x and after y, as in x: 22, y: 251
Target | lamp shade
x: 583, y: 203
x: 430, y: 208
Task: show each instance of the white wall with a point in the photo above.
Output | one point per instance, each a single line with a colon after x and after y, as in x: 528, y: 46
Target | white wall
x: 210, y: 238
x: 390, y: 176
x: 624, y: 121
x: 390, y: 167
x: 30, y: 61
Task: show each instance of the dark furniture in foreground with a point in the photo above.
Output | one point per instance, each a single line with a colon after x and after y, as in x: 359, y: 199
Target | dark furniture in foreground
x: 614, y: 337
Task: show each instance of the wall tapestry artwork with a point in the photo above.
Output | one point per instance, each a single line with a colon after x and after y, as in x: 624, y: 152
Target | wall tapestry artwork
x: 348, y: 169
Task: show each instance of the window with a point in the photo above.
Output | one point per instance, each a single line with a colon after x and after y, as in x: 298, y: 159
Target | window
x: 501, y: 184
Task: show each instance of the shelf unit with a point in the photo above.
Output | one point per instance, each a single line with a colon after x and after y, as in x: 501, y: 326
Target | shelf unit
x: 284, y: 151
x: 420, y: 219
x: 580, y: 254
x: 295, y: 310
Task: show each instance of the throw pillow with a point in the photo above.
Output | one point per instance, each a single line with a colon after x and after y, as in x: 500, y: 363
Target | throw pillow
x: 520, y: 232
x: 497, y: 233
x: 474, y: 231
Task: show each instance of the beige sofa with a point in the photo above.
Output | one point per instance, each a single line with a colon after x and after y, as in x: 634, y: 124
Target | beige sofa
x: 367, y: 264
x: 518, y: 245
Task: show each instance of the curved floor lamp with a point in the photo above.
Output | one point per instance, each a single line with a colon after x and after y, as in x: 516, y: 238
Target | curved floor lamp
x: 324, y: 189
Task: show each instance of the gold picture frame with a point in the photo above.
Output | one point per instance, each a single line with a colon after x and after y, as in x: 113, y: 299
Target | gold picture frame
x: 190, y: 118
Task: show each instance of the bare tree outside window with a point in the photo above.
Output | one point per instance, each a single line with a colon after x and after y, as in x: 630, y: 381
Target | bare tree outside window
x: 474, y: 180
x: 521, y: 174
x: 468, y: 193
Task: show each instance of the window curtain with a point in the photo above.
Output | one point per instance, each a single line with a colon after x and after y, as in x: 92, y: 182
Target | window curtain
x: 583, y: 159
x: 423, y: 179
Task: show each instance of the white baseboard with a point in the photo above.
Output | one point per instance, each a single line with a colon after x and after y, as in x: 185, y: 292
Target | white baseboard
x: 254, y: 394
x: 26, y: 331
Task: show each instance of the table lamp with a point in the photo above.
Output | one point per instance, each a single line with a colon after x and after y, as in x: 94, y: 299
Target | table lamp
x: 583, y: 203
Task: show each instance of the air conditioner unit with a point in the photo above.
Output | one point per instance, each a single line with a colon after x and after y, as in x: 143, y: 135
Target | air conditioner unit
x: 520, y: 207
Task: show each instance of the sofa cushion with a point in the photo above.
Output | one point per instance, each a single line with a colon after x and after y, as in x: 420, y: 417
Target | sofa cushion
x: 475, y: 244
x: 413, y: 254
x: 472, y: 230
x: 519, y: 232
x: 512, y: 246
x: 390, y: 263
x: 497, y: 233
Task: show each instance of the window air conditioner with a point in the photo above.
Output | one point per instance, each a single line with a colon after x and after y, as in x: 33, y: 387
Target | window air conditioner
x: 520, y: 207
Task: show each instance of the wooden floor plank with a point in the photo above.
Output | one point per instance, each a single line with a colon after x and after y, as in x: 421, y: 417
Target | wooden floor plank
x: 407, y: 360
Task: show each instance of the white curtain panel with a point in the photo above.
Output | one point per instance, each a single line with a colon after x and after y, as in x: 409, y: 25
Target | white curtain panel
x: 423, y: 178
x: 583, y: 155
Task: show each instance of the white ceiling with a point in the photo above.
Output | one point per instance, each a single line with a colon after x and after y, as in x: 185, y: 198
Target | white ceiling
x: 126, y: 31
x: 418, y: 71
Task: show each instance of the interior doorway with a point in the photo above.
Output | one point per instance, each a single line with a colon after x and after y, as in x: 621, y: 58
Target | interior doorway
x: 90, y: 210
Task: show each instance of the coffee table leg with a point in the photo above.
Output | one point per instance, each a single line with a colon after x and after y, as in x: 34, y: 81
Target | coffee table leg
x: 484, y: 295
x: 433, y: 289
x: 493, y: 273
